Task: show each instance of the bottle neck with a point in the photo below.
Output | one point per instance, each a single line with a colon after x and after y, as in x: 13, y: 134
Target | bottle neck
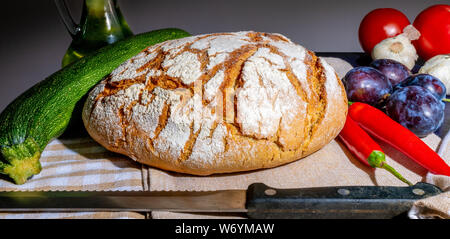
x: 107, y: 9
x: 102, y: 23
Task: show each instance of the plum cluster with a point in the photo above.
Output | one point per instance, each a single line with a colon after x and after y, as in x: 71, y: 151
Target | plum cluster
x: 413, y: 100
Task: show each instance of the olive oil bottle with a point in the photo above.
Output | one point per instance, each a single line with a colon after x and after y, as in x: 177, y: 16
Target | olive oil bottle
x: 101, y: 23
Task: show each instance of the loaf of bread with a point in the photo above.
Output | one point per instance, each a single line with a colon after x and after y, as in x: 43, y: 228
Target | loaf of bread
x: 218, y: 103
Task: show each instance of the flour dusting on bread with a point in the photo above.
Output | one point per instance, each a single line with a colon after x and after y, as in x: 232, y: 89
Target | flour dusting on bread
x: 217, y: 103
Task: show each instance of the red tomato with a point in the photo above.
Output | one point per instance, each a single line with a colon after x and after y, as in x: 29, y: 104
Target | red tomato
x: 380, y: 24
x: 433, y: 24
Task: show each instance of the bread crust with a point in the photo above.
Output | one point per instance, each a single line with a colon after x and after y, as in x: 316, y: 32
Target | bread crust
x: 218, y: 103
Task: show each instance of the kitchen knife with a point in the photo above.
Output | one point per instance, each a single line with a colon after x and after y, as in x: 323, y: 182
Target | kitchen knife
x: 258, y: 201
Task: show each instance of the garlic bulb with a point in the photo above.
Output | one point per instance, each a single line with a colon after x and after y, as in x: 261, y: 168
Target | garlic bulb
x: 398, y: 48
x: 439, y: 67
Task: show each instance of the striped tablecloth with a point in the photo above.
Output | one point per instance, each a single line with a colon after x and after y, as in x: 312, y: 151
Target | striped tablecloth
x: 80, y: 164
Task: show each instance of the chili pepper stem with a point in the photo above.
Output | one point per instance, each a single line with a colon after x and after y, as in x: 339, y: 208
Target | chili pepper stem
x: 377, y: 159
x: 395, y: 173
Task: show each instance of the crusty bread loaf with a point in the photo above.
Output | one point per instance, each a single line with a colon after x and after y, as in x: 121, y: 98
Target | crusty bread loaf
x: 217, y: 103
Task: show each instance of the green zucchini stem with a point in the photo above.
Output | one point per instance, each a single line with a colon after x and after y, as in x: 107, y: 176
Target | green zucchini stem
x: 21, y: 161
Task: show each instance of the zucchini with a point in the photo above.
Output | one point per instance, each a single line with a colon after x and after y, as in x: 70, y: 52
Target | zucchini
x: 43, y: 112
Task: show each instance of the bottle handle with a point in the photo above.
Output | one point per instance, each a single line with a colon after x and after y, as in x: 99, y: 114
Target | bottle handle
x: 72, y: 27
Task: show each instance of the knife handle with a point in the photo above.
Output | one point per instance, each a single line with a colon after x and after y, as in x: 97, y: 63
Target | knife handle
x: 345, y: 202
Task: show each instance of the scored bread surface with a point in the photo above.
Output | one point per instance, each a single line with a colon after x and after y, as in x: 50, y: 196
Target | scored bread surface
x: 218, y: 103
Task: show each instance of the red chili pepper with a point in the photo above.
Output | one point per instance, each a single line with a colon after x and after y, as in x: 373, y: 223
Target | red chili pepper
x: 364, y: 148
x: 386, y: 129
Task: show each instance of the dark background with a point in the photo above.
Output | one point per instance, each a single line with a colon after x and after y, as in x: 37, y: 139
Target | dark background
x: 33, y: 38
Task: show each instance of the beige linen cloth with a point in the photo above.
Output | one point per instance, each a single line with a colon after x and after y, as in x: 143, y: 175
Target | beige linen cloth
x: 82, y: 164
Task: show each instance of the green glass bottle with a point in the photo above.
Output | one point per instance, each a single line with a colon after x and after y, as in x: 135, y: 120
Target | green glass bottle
x: 101, y: 23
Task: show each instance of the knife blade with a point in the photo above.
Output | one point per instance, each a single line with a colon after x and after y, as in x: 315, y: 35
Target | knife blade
x: 258, y: 201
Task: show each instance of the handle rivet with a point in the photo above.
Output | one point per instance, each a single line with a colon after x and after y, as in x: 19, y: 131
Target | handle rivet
x: 343, y: 191
x: 270, y: 192
x: 418, y: 191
